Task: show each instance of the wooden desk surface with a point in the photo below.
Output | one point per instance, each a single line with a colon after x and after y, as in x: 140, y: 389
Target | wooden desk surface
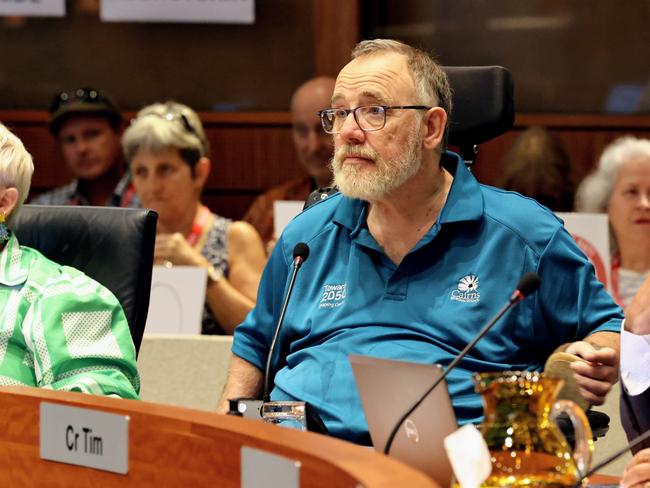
x: 173, y: 446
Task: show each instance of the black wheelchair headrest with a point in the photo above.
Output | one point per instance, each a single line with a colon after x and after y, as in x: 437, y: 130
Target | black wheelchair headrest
x: 483, y: 104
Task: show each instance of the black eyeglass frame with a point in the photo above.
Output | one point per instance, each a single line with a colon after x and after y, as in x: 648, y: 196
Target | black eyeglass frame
x: 323, y: 114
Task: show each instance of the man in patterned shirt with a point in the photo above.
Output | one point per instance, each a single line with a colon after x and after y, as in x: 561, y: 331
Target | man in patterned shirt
x: 87, y: 126
x: 59, y: 328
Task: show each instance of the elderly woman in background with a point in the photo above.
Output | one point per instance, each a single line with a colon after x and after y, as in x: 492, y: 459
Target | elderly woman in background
x: 59, y: 328
x: 168, y: 154
x: 620, y: 186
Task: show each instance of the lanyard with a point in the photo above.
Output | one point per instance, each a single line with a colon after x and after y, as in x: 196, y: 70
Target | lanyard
x: 198, y: 226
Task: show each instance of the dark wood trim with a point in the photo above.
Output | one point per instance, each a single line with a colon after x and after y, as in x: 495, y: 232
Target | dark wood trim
x: 337, y: 29
x: 208, y: 118
x: 582, y: 122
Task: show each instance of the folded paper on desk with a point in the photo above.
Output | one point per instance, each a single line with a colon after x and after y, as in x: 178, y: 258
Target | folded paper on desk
x: 177, y: 298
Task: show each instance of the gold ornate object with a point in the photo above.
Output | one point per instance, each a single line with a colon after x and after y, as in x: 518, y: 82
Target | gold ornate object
x: 526, y: 446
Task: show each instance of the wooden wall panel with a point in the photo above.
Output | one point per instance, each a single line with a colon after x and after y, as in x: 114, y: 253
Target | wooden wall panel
x: 337, y: 29
x: 585, y: 137
x: 254, y: 151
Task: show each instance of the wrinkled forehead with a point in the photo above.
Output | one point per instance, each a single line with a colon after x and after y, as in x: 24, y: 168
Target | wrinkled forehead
x: 382, y: 78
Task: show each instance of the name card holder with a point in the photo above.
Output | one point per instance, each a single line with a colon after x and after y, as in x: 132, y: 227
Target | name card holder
x: 84, y: 437
x: 261, y: 469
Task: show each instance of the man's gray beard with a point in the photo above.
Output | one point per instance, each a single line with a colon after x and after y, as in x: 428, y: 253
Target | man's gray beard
x: 372, y: 184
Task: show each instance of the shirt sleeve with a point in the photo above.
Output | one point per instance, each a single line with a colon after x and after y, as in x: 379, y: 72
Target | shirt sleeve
x: 80, y: 339
x: 571, y: 301
x: 260, y: 216
x: 252, y: 338
x: 635, y: 362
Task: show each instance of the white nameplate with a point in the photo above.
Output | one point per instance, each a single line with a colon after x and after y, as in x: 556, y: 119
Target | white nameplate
x: 261, y: 469
x: 85, y: 437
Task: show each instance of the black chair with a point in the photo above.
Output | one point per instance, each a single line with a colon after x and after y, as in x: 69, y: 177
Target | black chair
x: 483, y: 106
x: 114, y: 246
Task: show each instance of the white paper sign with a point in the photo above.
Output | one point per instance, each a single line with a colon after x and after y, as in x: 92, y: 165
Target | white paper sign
x: 33, y: 8
x: 176, y: 300
x: 84, y: 437
x: 591, y: 232
x: 283, y: 212
x: 199, y: 11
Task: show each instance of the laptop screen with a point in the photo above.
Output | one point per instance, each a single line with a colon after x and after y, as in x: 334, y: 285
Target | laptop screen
x: 387, y: 389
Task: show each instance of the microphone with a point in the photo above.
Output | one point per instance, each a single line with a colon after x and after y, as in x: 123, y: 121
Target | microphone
x: 300, y: 255
x: 527, y: 285
x: 637, y: 440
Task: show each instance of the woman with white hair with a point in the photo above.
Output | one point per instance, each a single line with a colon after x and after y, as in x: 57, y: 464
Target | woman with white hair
x: 620, y: 186
x: 168, y: 154
x: 59, y: 328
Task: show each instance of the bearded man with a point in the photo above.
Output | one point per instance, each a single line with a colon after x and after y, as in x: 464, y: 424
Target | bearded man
x: 412, y: 258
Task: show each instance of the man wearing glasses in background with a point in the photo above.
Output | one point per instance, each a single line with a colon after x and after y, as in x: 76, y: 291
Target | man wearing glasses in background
x: 412, y: 258
x: 87, y: 126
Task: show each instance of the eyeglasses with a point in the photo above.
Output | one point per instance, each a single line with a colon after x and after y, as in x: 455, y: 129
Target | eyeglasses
x: 86, y: 95
x: 172, y: 116
x: 368, y: 117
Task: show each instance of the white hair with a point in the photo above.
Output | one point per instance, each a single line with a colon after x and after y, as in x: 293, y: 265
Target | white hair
x: 594, y: 192
x: 16, y: 166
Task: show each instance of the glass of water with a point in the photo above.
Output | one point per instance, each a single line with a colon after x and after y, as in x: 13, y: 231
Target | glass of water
x: 285, y: 413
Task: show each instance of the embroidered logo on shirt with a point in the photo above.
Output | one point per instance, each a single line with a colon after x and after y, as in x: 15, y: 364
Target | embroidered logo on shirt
x: 333, y: 296
x: 467, y: 290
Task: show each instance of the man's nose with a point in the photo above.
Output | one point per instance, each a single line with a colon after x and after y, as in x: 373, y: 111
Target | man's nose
x: 81, y: 145
x: 350, y: 130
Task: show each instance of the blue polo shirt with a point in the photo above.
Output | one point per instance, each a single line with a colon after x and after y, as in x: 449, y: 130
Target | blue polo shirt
x: 349, y: 297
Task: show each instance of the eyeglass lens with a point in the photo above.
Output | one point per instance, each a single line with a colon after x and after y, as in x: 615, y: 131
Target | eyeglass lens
x: 369, y: 118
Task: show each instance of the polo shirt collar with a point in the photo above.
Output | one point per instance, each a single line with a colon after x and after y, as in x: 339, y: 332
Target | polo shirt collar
x: 13, y: 271
x: 464, y: 202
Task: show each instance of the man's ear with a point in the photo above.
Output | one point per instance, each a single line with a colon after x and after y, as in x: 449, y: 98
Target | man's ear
x: 8, y: 200
x: 202, y: 171
x: 434, y: 125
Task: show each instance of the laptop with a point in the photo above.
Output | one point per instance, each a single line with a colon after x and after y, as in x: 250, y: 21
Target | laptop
x: 387, y: 389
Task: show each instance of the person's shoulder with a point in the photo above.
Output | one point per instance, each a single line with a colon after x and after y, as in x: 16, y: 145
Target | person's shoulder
x: 52, y: 279
x: 532, y: 222
x: 57, y: 196
x: 313, y: 220
x: 243, y: 232
x: 294, y: 189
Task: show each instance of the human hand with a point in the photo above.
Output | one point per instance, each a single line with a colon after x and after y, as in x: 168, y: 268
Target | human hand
x: 637, y: 471
x: 174, y: 249
x: 598, y: 372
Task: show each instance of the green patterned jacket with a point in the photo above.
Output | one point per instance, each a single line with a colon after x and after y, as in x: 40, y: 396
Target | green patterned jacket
x: 60, y: 329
